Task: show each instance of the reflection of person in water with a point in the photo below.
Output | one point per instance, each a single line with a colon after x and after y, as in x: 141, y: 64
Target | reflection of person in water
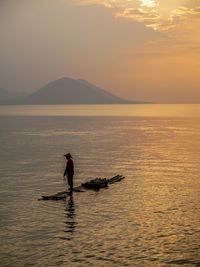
x: 70, y: 212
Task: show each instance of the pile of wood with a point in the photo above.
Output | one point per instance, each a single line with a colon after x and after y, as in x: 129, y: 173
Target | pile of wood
x: 94, y: 184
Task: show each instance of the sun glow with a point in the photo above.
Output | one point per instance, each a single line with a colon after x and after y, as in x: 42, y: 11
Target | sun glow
x: 160, y: 15
x: 148, y: 3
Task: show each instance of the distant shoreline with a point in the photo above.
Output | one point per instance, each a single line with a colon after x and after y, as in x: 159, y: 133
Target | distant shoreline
x: 106, y: 110
x: 74, y: 104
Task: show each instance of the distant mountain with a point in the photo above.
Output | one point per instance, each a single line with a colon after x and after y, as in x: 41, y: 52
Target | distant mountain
x: 64, y: 91
x: 70, y: 91
x: 10, y: 96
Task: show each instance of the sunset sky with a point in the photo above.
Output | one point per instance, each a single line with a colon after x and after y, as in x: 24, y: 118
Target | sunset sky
x: 140, y: 49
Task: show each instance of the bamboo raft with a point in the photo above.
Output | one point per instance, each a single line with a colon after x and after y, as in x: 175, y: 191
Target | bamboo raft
x: 94, y: 184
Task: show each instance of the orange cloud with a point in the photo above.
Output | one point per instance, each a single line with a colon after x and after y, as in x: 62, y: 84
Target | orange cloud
x: 161, y: 15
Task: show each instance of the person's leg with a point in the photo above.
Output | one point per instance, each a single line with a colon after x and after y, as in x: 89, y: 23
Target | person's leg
x: 70, y: 182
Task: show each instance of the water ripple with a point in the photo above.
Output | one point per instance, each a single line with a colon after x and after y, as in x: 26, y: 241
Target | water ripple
x: 149, y: 219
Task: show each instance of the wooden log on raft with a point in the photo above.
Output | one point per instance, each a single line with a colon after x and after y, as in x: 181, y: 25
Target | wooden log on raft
x: 115, y: 179
x: 94, y: 184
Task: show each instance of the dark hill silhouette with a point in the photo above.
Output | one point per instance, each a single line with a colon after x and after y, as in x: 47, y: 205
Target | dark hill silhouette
x: 70, y: 91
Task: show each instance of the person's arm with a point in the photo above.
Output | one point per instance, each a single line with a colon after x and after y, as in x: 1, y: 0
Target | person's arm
x: 65, y: 172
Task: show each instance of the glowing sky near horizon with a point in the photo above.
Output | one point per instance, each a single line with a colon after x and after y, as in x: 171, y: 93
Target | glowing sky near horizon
x: 139, y: 49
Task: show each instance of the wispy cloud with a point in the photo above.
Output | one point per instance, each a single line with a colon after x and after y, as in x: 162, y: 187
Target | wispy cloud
x: 157, y: 14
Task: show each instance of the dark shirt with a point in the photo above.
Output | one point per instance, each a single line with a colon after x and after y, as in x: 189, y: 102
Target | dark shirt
x: 69, y: 167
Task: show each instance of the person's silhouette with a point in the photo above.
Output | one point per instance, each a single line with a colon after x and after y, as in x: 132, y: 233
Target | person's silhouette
x: 69, y: 171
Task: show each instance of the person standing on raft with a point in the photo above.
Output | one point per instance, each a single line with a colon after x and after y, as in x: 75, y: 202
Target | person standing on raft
x: 69, y: 171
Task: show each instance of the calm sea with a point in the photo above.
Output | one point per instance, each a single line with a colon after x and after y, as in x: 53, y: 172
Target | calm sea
x: 152, y: 218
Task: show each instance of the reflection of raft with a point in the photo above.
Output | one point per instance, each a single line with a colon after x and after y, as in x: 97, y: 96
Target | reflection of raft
x: 94, y: 184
